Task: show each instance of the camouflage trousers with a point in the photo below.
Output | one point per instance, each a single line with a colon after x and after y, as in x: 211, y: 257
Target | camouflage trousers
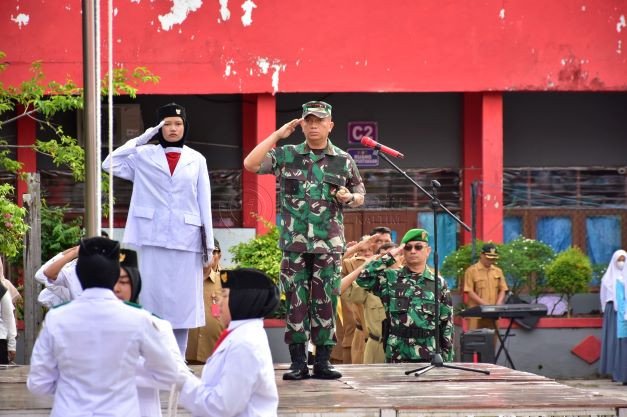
x: 311, y: 282
x: 400, y: 349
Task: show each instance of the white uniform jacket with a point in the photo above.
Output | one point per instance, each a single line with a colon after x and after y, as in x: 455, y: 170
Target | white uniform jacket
x: 238, y: 378
x: 64, y: 288
x: 87, y: 355
x: 147, y: 386
x: 166, y: 210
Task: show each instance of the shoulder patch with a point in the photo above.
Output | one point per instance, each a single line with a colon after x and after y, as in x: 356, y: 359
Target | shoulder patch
x: 62, y: 304
x: 128, y: 303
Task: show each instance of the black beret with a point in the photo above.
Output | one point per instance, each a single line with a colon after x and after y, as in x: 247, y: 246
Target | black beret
x: 171, y: 110
x: 98, y: 263
x: 128, y: 258
x: 246, y: 279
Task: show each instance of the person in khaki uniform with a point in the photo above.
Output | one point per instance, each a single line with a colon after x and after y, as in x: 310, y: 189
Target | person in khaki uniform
x: 485, y: 284
x: 374, y: 311
x: 203, y: 339
x: 357, y: 343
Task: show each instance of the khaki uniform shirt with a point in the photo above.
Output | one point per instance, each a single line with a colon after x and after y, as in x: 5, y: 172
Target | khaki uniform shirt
x: 203, y: 339
x: 486, y: 283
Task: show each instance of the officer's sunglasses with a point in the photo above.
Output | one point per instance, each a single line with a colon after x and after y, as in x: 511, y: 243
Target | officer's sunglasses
x: 417, y: 246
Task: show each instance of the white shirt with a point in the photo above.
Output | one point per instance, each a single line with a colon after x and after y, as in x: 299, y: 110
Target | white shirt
x: 87, y: 355
x: 238, y: 378
x: 147, y: 386
x: 64, y: 288
x: 8, y: 330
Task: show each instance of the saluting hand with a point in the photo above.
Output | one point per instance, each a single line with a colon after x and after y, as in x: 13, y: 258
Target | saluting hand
x: 148, y: 134
x: 288, y: 128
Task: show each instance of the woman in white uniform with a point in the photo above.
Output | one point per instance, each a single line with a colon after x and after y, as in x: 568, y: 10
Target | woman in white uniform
x: 238, y: 379
x: 170, y: 204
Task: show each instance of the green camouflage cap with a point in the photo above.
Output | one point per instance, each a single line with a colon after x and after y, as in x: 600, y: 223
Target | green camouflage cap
x: 317, y: 108
x: 420, y: 235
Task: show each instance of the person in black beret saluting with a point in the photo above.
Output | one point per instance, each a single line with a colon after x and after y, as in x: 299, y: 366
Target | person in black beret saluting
x: 87, y: 353
x: 169, y: 220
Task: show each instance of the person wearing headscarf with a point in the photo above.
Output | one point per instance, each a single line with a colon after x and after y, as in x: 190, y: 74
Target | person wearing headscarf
x: 607, y: 293
x: 169, y: 219
x: 83, y: 340
x: 238, y: 378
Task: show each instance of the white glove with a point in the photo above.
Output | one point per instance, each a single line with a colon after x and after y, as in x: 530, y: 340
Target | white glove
x: 184, y: 373
x: 148, y: 134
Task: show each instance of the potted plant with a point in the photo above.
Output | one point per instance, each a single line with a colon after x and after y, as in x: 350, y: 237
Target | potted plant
x: 569, y: 274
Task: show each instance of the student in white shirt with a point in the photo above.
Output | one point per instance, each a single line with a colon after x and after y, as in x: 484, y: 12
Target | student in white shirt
x: 238, y: 378
x: 87, y: 352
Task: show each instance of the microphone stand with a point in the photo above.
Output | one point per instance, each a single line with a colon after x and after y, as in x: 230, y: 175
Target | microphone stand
x: 436, y: 359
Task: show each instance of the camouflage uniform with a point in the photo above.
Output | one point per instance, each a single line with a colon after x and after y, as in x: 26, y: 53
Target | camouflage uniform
x: 409, y: 302
x: 312, y: 234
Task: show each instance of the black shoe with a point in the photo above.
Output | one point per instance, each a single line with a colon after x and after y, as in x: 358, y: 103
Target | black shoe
x: 298, y: 369
x: 296, y: 373
x: 322, y: 368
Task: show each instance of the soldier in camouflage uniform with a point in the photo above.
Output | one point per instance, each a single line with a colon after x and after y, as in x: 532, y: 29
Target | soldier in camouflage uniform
x: 317, y: 179
x: 409, y: 300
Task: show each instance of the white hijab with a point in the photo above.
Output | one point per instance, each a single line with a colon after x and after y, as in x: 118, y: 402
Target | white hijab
x: 608, y: 282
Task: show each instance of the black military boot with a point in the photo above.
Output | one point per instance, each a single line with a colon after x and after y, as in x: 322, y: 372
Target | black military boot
x: 298, y: 369
x: 322, y: 368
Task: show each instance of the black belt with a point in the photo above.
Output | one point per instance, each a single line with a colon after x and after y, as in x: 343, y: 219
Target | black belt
x: 373, y: 337
x: 411, y: 333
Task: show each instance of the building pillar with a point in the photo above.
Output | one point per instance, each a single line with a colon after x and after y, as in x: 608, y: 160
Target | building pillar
x: 483, y: 164
x: 25, y: 141
x: 258, y: 191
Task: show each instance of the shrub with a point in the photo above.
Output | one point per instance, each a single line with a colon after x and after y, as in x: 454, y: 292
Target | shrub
x: 524, y: 262
x: 456, y: 263
x: 569, y: 274
x: 262, y: 253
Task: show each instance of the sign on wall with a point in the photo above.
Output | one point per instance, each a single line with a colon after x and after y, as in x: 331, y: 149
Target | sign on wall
x: 364, y: 158
x: 358, y: 129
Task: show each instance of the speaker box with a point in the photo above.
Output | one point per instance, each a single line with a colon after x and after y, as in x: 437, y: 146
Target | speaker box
x: 479, y: 341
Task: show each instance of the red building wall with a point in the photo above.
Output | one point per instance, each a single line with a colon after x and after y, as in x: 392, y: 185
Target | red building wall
x: 334, y: 45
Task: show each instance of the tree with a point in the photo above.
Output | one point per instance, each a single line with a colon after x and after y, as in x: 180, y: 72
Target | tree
x: 569, y: 274
x: 41, y: 100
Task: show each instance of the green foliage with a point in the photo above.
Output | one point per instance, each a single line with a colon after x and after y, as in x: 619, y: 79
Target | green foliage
x: 456, y: 263
x: 57, y: 234
x: 41, y: 100
x: 262, y: 253
x: 12, y: 224
x: 524, y: 262
x: 569, y: 274
x: 65, y: 151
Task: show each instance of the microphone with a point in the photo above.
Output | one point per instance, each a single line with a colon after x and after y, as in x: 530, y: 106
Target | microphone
x: 369, y: 143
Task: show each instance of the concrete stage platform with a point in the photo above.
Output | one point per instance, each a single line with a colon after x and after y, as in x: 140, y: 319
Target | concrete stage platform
x: 385, y: 391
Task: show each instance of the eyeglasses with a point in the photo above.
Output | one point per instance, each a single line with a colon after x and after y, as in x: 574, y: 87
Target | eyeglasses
x: 417, y: 246
x: 216, y: 252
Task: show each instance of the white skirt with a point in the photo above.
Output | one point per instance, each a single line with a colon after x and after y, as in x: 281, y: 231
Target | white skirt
x: 172, y: 285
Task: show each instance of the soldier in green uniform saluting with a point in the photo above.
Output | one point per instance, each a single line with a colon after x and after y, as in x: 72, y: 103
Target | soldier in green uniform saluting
x: 317, y: 180
x: 408, y: 295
